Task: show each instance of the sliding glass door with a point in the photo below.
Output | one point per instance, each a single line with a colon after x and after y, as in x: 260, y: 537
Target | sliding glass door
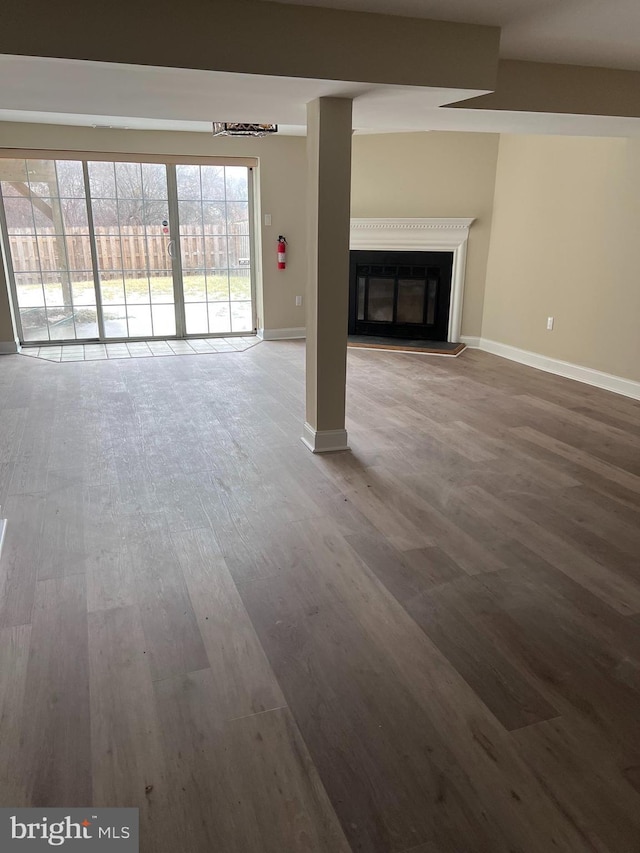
x: 102, y: 250
x: 215, y: 243
x: 129, y: 204
x: 46, y: 231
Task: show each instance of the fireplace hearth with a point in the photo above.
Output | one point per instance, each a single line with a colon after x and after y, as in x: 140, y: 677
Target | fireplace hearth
x: 400, y: 294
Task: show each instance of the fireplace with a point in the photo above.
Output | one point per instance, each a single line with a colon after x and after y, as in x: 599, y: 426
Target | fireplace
x: 412, y: 273
x: 400, y: 294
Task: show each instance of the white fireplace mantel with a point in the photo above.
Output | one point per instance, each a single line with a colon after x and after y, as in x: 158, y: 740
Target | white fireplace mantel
x: 421, y: 235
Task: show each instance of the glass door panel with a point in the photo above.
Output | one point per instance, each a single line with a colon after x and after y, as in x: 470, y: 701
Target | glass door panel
x: 400, y: 294
x: 47, y: 231
x: 381, y: 293
x: 213, y: 207
x: 130, y: 215
x: 410, y: 301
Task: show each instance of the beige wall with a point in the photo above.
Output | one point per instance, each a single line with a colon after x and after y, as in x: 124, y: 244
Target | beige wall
x: 282, y: 187
x: 432, y: 174
x: 416, y: 174
x: 565, y: 244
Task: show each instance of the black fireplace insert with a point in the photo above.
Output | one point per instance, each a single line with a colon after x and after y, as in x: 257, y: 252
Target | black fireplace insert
x: 400, y: 294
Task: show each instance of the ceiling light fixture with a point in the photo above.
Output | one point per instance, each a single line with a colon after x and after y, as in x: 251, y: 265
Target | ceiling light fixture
x: 237, y: 128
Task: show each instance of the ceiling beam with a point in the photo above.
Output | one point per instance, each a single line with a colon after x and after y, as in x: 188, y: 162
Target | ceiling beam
x: 538, y: 87
x: 255, y: 37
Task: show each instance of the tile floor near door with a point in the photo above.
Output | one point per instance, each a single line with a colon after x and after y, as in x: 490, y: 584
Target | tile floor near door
x: 429, y: 644
x: 140, y: 349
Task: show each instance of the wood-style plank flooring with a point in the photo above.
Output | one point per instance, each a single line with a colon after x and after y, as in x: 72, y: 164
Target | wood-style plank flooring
x: 429, y: 644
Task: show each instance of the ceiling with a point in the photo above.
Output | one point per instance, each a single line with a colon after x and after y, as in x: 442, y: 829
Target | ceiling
x: 67, y: 91
x: 577, y: 32
x: 79, y: 92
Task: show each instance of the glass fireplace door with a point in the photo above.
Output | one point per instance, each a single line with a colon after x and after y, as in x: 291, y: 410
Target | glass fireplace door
x: 400, y: 294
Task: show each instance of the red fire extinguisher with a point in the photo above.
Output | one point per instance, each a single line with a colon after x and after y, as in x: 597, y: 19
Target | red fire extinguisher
x: 282, y: 253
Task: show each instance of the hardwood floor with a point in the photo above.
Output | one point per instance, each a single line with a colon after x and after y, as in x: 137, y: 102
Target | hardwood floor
x: 431, y: 644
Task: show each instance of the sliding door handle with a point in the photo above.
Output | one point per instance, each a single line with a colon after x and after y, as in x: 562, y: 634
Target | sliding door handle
x: 170, y: 248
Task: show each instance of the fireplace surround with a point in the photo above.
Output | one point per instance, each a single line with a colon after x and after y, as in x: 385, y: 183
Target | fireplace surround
x: 421, y: 235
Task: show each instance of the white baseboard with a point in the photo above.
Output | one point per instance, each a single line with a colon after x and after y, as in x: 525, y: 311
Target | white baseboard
x: 9, y: 347
x: 470, y: 341
x: 282, y: 334
x: 607, y: 381
x: 324, y: 441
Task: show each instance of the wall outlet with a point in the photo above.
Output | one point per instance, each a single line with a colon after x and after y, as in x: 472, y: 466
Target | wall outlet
x: 298, y: 301
x: 267, y: 219
x: 549, y: 324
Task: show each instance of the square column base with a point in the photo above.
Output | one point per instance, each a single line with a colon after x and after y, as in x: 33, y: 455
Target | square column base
x: 324, y: 441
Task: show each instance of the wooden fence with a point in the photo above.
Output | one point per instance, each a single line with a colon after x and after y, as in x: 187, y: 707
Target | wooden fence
x: 133, y: 249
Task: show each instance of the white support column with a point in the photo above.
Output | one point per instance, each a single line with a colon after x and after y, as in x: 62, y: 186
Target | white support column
x: 328, y: 205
